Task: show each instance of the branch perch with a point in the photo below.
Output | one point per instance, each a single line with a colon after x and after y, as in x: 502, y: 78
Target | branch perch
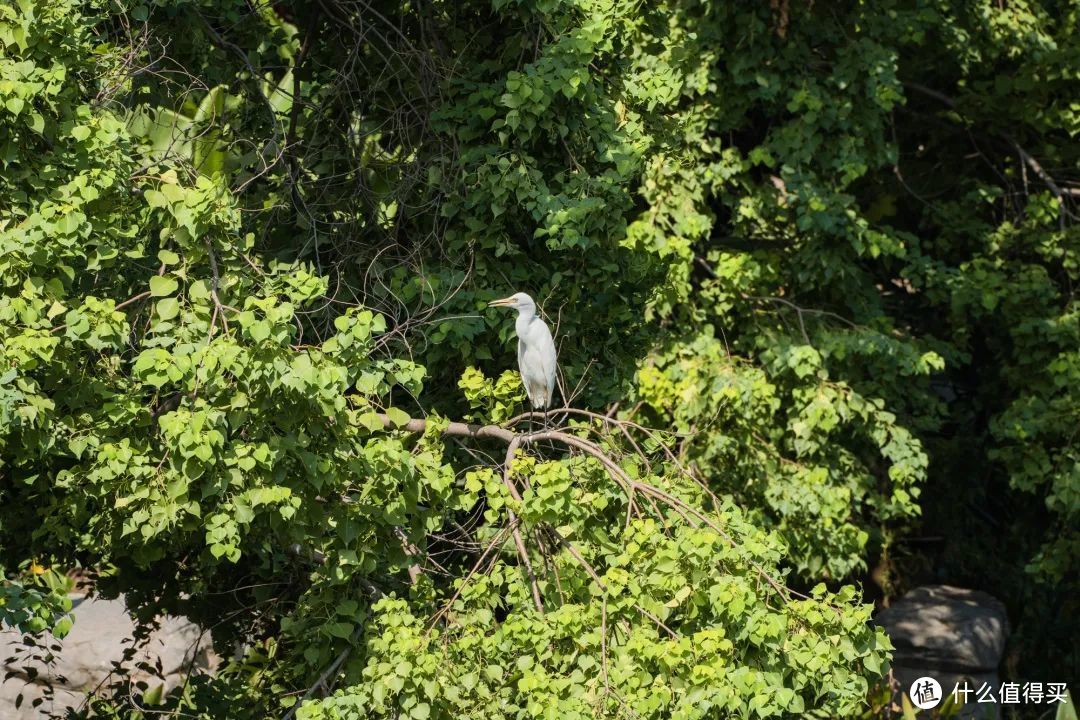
x: 514, y: 440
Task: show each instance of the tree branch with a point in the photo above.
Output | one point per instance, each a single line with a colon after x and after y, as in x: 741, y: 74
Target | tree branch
x: 1055, y: 189
x: 629, y: 485
x: 519, y: 542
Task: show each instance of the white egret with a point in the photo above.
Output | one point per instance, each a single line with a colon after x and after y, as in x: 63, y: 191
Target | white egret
x: 536, y: 350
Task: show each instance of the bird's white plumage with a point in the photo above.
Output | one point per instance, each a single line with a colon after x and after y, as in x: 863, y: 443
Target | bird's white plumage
x: 536, y: 350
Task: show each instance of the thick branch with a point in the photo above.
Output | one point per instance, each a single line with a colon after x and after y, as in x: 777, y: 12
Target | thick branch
x: 454, y: 429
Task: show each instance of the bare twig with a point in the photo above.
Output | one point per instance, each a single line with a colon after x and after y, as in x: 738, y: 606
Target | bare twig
x: 321, y: 681
x: 1027, y: 158
x: 523, y: 552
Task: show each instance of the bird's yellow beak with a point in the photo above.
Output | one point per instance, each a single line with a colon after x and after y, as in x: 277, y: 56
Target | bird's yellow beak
x: 501, y: 303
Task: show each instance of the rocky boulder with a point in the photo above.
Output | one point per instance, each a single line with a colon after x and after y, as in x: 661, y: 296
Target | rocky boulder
x: 101, y: 633
x: 951, y: 634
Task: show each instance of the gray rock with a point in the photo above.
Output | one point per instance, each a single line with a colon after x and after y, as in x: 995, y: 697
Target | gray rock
x: 951, y: 634
x: 101, y: 632
x: 947, y: 628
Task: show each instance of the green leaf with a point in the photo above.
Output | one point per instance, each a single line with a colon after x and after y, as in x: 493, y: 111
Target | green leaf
x: 340, y: 629
x: 154, y: 696
x: 398, y: 418
x: 259, y: 330
x: 168, y: 308
x: 907, y: 709
x: 155, y: 198
x: 162, y: 285
x: 1066, y: 710
x: 370, y: 420
x: 168, y: 257
x: 62, y: 627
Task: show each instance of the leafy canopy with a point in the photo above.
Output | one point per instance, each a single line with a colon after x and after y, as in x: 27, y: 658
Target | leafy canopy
x: 246, y: 253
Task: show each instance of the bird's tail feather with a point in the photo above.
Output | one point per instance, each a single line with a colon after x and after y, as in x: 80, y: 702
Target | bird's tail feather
x: 538, y: 397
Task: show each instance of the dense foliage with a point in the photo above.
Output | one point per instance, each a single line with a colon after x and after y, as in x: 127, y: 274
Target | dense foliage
x: 812, y: 270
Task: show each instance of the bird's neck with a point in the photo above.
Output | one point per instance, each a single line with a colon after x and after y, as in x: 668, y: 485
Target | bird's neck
x: 524, y: 318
